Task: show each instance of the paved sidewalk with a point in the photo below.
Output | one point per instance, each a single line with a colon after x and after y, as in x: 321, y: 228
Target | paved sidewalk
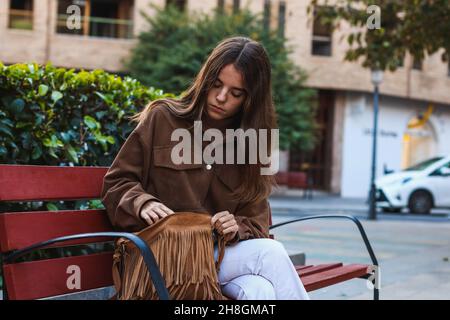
x: 292, y: 202
x: 413, y: 252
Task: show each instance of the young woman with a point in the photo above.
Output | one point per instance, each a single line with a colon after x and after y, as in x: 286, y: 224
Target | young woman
x: 144, y: 184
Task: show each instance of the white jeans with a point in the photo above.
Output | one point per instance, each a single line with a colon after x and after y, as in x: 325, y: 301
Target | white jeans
x: 259, y: 269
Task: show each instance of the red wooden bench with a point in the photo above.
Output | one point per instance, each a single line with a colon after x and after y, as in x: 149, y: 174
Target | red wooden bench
x: 297, y: 180
x: 23, y: 232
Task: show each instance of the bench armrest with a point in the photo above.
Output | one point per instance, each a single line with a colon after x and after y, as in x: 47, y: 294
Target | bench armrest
x: 338, y: 216
x: 144, y: 249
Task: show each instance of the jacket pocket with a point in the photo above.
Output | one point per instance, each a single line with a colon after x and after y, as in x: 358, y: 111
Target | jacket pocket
x: 179, y: 186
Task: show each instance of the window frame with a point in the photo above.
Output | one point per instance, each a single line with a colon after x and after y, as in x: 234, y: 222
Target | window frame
x: 88, y: 21
x: 30, y: 14
x: 317, y: 38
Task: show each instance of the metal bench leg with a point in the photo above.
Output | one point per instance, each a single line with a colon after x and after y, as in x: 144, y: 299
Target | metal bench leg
x: 376, y: 284
x: 375, y: 279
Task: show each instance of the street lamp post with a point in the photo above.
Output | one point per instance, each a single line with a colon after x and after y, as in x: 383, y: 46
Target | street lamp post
x: 377, y: 78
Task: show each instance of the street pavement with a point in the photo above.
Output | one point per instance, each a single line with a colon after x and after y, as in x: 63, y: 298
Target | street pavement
x: 413, y: 251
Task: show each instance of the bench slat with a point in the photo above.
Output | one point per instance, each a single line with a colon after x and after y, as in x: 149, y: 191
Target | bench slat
x: 333, y: 276
x: 302, y: 267
x: 21, y: 229
x: 46, y: 278
x: 303, y: 272
x: 27, y: 183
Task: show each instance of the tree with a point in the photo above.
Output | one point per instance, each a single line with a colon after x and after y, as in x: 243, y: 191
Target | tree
x: 177, y: 43
x: 420, y: 27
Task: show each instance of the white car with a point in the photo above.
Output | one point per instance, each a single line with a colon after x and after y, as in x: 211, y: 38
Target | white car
x: 419, y: 188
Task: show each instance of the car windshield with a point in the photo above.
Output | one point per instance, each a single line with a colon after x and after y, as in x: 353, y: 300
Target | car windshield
x: 423, y: 165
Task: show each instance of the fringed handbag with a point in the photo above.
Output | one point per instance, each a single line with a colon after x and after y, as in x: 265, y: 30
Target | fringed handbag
x: 183, y: 246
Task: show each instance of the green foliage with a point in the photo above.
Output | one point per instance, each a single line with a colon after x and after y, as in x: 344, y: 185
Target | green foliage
x: 54, y: 116
x: 176, y: 45
x: 420, y: 27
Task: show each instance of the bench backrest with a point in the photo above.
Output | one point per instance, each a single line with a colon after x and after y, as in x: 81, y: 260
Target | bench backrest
x: 297, y: 180
x: 292, y: 179
x: 45, y: 278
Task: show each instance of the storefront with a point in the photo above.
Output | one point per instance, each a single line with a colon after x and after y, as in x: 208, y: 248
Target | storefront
x: 409, y: 132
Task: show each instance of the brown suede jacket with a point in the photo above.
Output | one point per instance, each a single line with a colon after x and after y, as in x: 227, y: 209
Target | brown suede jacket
x: 143, y: 171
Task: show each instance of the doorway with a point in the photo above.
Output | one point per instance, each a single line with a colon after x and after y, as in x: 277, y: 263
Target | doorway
x: 419, y: 142
x: 317, y: 163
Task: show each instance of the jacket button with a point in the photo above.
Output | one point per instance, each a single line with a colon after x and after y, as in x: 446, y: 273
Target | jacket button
x: 208, y: 167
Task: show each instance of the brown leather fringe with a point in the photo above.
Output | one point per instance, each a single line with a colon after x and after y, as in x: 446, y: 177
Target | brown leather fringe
x: 184, y: 250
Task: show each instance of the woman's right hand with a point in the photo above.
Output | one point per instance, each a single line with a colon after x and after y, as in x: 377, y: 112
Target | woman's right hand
x: 152, y: 211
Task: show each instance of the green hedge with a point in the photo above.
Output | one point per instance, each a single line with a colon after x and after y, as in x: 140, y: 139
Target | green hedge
x: 55, y: 116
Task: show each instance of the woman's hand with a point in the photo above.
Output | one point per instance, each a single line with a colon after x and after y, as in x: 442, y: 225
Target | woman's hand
x: 225, y: 224
x: 152, y: 211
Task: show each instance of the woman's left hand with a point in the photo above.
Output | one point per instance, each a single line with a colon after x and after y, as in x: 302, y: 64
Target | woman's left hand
x: 225, y: 224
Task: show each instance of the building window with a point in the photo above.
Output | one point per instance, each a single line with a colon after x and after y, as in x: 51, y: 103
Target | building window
x: 281, y: 18
x: 417, y: 64
x: 266, y: 18
x: 221, y: 6
x: 21, y: 14
x: 97, y: 18
x: 180, y: 4
x: 321, y: 38
x: 236, y: 6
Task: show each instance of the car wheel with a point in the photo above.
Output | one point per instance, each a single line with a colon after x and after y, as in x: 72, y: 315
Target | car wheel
x: 420, y: 202
x: 392, y: 210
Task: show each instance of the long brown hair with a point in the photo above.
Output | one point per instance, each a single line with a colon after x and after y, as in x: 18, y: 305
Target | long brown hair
x: 258, y: 112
